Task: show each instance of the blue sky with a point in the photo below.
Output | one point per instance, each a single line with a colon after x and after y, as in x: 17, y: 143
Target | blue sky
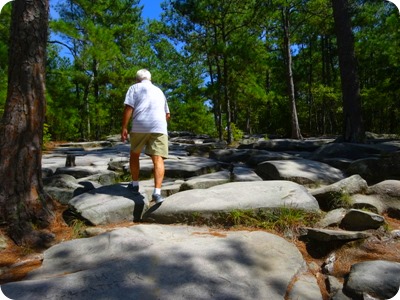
x: 152, y: 8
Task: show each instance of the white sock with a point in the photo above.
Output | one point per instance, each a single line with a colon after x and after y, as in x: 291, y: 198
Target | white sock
x: 135, y: 183
x: 157, y: 191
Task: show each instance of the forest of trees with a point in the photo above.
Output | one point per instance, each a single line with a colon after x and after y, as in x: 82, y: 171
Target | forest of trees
x: 247, y: 65
x: 290, y: 68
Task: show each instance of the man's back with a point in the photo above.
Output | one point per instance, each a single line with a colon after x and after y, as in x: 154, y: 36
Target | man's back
x: 150, y: 108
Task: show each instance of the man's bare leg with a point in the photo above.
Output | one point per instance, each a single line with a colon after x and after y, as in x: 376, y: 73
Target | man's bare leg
x: 134, y: 165
x: 159, y: 170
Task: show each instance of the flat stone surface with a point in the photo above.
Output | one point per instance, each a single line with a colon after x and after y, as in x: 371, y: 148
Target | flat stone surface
x: 164, y: 262
x: 302, y: 171
x: 233, y: 196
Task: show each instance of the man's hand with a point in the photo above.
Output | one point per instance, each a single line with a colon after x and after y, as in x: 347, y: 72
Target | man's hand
x: 124, y: 135
x: 128, y: 110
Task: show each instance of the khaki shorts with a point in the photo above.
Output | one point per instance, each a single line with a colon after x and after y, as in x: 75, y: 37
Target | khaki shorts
x: 154, y: 143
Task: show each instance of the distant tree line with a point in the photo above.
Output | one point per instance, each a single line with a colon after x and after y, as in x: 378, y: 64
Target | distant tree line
x: 246, y: 66
x: 286, y: 67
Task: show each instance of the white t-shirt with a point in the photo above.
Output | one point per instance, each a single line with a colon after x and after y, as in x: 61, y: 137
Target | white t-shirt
x: 149, y: 108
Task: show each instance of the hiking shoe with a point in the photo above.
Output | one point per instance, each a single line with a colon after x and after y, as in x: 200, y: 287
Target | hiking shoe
x: 157, y: 198
x: 132, y: 188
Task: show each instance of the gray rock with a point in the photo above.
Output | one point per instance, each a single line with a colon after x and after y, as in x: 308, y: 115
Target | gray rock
x: 339, y: 295
x: 47, y: 172
x: 165, y: 262
x: 206, y: 181
x: 180, y: 167
x: 232, y: 155
x: 329, y: 235
x: 329, y: 264
x: 395, y: 234
x: 264, y: 155
x: 305, y: 288
x: 78, y: 171
x: 290, y: 144
x: 110, y: 204
x: 233, y: 196
x: 332, y: 218
x: 329, y: 197
x: 388, y: 192
x: 356, y: 219
x: 245, y: 174
x: 386, y: 188
x: 350, y: 185
x: 338, y: 163
x: 379, y: 278
x: 203, y: 149
x: 61, y: 195
x: 333, y: 285
x: 375, y: 170
x: 117, y: 165
x: 349, y: 151
x: 373, y: 203
x: 302, y: 171
x: 103, y: 177
x: 64, y: 187
x: 61, y: 181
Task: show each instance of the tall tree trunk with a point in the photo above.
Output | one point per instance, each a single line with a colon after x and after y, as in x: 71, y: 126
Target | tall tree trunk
x: 23, y: 202
x: 353, y: 124
x: 295, y: 134
x: 228, y: 104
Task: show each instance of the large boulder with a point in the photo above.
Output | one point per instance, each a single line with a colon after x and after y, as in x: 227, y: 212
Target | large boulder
x: 388, y: 192
x: 378, y: 278
x: 169, y: 263
x: 302, y: 171
x: 375, y: 170
x: 356, y: 219
x: 110, y: 204
x: 329, y: 196
x: 64, y: 187
x: 232, y: 196
x: 353, y: 151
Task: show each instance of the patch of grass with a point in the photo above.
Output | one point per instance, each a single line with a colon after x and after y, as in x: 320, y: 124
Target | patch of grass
x: 195, y: 219
x: 341, y: 199
x: 242, y: 217
x: 78, y: 227
x: 279, y: 219
x: 286, y: 218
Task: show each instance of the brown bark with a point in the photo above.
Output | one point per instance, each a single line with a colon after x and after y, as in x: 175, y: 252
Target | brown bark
x: 353, y: 123
x: 23, y: 202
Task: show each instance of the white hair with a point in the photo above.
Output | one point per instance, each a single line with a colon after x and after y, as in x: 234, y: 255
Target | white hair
x: 143, y: 74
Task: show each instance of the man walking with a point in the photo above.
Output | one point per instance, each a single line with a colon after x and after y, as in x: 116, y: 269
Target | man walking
x: 147, y: 106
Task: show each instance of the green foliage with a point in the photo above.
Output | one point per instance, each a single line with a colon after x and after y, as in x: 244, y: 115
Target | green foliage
x: 46, y: 134
x: 5, y: 18
x: 237, y: 134
x: 217, y: 61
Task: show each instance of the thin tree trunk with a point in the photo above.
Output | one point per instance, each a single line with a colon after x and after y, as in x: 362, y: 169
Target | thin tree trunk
x: 23, y: 202
x: 295, y: 134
